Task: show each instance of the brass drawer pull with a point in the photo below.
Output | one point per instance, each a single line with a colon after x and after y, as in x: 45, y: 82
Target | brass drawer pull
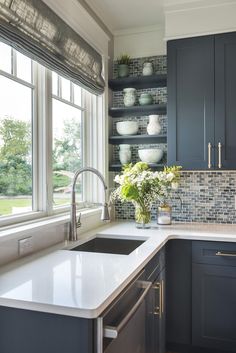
x: 158, y: 310
x: 209, y: 156
x: 226, y: 254
x: 219, y: 155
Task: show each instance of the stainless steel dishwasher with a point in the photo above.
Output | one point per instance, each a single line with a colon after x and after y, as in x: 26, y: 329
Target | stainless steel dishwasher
x: 123, y: 327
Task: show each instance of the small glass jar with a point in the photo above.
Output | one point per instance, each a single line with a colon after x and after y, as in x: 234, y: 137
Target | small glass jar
x: 164, y: 215
x: 125, y: 154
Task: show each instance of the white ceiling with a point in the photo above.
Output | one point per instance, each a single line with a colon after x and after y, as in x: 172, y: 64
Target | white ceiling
x: 121, y: 15
x: 127, y: 14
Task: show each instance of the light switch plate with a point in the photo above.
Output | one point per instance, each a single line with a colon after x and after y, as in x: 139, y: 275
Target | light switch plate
x: 25, y: 246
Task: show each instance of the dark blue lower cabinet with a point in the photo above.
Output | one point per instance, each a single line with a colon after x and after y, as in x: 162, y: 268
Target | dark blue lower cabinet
x: 25, y: 331
x: 155, y: 330
x: 214, y: 307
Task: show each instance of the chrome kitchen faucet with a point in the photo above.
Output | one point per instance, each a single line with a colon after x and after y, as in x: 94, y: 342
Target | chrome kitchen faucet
x: 74, y: 224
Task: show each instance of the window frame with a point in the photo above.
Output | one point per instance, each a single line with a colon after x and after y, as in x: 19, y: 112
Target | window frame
x: 42, y: 135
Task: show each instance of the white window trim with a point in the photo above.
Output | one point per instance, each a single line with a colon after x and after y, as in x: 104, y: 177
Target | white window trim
x: 94, y: 154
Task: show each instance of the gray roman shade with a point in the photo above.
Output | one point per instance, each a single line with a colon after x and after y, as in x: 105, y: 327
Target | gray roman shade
x: 31, y: 27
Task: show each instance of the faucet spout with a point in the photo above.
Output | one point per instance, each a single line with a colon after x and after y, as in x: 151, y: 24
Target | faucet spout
x: 73, y: 220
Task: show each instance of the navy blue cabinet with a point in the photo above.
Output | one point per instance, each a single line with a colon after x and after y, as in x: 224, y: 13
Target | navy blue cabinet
x: 155, y: 333
x: 214, y: 296
x: 190, y: 109
x: 225, y: 102
x: 178, y: 295
x: 201, y: 84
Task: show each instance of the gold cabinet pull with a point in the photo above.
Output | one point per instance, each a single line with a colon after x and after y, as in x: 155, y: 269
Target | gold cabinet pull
x: 209, y: 155
x: 158, y: 309
x: 162, y: 297
x: 219, y: 155
x: 228, y: 254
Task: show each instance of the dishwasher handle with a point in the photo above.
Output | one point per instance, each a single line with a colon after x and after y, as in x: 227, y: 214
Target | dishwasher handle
x: 113, y: 331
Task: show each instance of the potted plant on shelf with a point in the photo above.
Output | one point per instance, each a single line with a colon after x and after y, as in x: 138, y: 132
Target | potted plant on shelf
x: 123, y: 65
x: 141, y: 186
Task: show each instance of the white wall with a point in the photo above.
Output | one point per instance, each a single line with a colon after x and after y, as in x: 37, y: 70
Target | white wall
x: 140, y: 42
x: 201, y: 19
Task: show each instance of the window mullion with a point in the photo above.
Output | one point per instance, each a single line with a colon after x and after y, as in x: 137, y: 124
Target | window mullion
x: 36, y: 206
x: 45, y: 139
x: 13, y: 63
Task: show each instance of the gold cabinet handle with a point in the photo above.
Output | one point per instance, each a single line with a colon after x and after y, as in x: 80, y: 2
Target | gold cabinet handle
x: 209, y: 155
x: 219, y: 155
x: 228, y: 254
x: 158, y: 309
x: 162, y: 297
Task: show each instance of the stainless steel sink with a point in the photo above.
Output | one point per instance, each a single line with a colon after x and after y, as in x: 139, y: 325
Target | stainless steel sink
x: 110, y: 245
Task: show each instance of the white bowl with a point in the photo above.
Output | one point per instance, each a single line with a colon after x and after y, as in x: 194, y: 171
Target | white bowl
x: 127, y: 127
x: 151, y: 155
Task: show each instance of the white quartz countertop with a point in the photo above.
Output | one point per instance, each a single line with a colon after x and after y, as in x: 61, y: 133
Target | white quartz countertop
x: 83, y: 284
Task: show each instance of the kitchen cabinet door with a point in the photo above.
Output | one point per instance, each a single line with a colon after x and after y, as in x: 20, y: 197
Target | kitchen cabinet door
x: 214, y: 307
x: 190, y: 110
x: 225, y: 100
x: 157, y: 322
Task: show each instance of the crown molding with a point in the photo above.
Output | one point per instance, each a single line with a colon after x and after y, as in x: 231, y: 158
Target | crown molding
x: 185, y: 5
x: 138, y: 30
x: 101, y: 15
x: 203, y: 33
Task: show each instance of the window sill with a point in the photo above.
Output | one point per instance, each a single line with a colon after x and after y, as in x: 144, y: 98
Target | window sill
x: 23, y: 229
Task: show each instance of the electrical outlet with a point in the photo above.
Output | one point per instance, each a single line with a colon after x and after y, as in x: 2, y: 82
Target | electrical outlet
x: 25, y: 246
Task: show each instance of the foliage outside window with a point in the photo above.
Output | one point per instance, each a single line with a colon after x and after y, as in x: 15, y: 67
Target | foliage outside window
x: 21, y: 140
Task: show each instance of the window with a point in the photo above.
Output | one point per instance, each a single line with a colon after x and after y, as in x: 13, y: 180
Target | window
x: 41, y: 148
x: 67, y: 138
x: 16, y: 125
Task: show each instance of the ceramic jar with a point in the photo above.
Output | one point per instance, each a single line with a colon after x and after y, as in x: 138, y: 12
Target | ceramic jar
x: 147, y: 69
x: 125, y: 154
x: 145, y: 99
x: 123, y: 70
x: 154, y: 126
x: 129, y: 97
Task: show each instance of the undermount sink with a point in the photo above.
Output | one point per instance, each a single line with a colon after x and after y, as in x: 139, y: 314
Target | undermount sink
x: 110, y: 245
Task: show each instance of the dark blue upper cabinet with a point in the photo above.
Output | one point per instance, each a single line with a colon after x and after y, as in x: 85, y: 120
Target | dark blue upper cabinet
x: 190, y: 83
x: 201, y: 102
x: 225, y: 100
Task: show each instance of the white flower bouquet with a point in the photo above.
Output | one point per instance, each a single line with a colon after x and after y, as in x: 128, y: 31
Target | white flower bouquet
x: 141, y: 186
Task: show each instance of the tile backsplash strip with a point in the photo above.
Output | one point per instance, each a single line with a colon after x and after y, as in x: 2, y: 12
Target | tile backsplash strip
x: 202, y: 196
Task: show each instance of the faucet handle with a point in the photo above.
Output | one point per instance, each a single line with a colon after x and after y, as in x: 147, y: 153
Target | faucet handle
x: 78, y: 222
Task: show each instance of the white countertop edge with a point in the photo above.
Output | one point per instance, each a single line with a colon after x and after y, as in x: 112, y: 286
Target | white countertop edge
x: 88, y: 313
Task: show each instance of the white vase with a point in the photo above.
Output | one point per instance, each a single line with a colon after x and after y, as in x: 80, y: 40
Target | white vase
x: 125, y: 154
x: 154, y: 126
x: 147, y: 69
x: 129, y: 97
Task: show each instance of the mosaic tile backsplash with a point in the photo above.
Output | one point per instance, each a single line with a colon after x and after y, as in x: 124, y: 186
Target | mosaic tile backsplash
x: 202, y: 196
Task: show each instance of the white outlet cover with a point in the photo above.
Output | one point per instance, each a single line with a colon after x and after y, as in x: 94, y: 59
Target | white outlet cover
x: 25, y: 246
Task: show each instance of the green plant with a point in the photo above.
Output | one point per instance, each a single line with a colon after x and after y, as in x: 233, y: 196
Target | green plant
x: 141, y: 186
x: 123, y: 59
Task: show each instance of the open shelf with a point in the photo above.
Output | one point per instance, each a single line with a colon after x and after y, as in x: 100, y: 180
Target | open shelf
x: 137, y: 139
x: 116, y: 167
x: 138, y: 82
x: 138, y: 110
